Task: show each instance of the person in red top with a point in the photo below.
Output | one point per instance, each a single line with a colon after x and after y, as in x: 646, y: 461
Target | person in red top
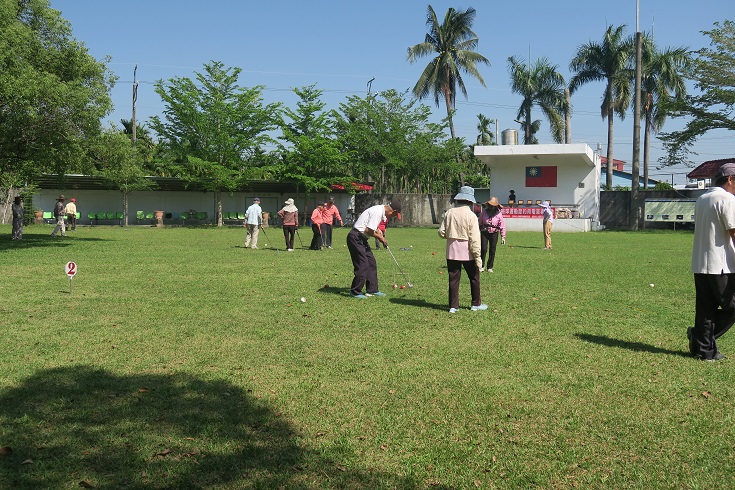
x: 317, y: 218
x: 382, y: 226
x: 330, y: 213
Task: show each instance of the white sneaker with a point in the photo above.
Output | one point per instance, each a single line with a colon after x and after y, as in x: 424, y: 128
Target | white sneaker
x: 489, y: 270
x: 290, y: 250
x: 479, y: 307
x: 453, y: 310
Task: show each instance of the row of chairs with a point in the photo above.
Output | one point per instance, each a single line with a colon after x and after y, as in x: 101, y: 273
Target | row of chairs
x: 148, y: 215
x: 48, y: 216
x: 233, y: 215
x: 105, y: 215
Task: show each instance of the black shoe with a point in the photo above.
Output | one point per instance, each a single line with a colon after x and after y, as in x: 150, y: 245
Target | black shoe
x: 717, y: 357
x: 689, y: 333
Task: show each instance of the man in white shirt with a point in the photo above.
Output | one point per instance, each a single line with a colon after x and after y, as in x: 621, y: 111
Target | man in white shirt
x: 252, y: 223
x: 713, y: 265
x: 363, y: 261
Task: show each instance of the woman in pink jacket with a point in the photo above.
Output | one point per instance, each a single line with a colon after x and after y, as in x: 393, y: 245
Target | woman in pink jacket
x: 317, y: 219
x: 492, y: 227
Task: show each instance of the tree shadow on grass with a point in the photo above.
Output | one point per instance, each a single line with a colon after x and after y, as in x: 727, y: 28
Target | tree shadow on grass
x: 35, y: 241
x: 85, y: 426
x: 624, y: 344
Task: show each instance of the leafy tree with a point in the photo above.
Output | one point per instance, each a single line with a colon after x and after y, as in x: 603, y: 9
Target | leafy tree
x: 453, y: 43
x: 662, y: 78
x: 542, y: 85
x: 608, y: 61
x: 144, y: 144
x: 713, y: 73
x: 52, y: 92
x: 120, y: 164
x: 390, y: 140
x: 486, y: 136
x: 214, y: 129
x: 312, y: 155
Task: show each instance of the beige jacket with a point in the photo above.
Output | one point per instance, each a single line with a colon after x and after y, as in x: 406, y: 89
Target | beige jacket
x: 461, y: 223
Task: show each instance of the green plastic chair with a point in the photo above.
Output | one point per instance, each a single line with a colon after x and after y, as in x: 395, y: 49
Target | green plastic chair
x: 101, y: 215
x: 120, y: 215
x: 140, y: 215
x: 184, y: 216
x: 240, y: 215
x: 110, y: 215
x: 47, y: 215
x: 149, y: 215
x: 91, y: 216
x: 202, y: 215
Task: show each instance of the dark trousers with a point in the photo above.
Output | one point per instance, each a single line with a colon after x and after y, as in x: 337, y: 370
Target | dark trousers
x: 72, y: 220
x: 363, y: 262
x: 488, y: 243
x: 288, y: 233
x: 714, y: 312
x: 316, y: 241
x: 455, y: 273
x: 326, y: 235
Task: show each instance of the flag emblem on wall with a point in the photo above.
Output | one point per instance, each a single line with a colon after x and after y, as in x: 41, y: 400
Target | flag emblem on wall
x: 544, y: 176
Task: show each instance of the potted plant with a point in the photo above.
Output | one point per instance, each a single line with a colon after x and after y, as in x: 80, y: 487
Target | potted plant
x: 38, y: 213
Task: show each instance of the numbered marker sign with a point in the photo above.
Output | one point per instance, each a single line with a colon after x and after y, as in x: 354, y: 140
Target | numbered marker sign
x: 71, y: 269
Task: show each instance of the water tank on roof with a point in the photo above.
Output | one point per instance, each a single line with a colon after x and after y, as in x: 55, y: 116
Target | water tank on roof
x: 510, y: 137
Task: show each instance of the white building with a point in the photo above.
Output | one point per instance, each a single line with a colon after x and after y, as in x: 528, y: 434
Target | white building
x: 566, y: 175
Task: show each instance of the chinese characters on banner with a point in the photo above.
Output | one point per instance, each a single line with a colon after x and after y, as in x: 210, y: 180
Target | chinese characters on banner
x: 534, y: 212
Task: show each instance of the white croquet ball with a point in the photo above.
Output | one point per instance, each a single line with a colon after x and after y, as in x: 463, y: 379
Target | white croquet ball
x: 303, y: 300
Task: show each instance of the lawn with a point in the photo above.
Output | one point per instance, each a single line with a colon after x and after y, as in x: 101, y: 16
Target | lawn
x: 182, y: 360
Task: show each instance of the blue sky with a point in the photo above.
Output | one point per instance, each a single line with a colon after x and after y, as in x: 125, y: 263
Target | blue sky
x: 340, y: 45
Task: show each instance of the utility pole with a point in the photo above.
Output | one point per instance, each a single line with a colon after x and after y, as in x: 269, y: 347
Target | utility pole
x: 135, y: 99
x: 635, y: 181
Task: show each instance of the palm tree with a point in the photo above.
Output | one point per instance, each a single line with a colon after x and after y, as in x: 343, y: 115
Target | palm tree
x: 486, y: 136
x: 541, y: 85
x: 610, y: 62
x: 529, y: 130
x: 662, y: 77
x: 453, y: 42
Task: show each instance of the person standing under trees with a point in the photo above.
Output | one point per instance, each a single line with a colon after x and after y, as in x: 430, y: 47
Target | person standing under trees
x: 382, y: 227
x: 17, y: 219
x: 317, y: 219
x: 290, y: 216
x: 548, y: 223
x: 254, y: 218
x: 713, y: 265
x: 461, y: 230
x: 59, y: 215
x: 330, y: 214
x: 71, y: 213
x: 364, y: 265
x: 492, y: 226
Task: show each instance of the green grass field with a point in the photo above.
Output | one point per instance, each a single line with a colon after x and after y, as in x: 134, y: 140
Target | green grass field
x: 182, y: 360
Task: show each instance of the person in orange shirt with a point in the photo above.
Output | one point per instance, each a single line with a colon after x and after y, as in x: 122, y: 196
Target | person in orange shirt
x: 330, y: 214
x: 317, y: 218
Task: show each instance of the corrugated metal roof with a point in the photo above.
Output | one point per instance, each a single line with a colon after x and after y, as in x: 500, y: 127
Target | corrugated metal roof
x: 708, y: 169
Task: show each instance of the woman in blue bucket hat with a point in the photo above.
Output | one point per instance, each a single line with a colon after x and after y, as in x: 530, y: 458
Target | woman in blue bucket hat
x: 461, y: 230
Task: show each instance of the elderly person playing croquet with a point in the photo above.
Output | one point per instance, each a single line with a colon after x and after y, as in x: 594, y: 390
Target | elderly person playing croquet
x: 461, y: 230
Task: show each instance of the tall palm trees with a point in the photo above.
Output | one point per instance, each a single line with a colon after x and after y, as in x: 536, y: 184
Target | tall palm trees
x: 542, y: 85
x: 485, y: 136
x: 608, y: 61
x: 453, y: 43
x: 661, y: 79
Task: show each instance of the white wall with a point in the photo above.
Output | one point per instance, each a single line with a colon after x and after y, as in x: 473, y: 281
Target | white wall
x: 176, y: 202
